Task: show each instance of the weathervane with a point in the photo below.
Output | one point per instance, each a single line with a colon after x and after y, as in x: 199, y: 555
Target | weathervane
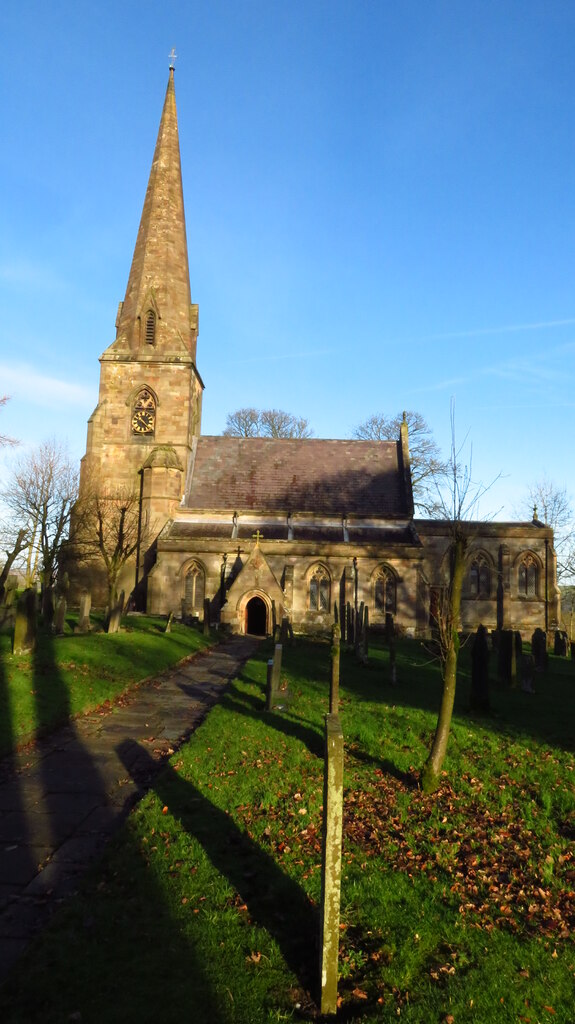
x: 173, y: 57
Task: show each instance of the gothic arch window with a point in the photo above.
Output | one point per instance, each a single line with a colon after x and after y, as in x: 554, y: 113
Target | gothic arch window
x: 144, y: 414
x: 194, y: 588
x: 479, y: 578
x: 150, y: 327
x: 384, y: 590
x: 319, y: 590
x: 527, y: 577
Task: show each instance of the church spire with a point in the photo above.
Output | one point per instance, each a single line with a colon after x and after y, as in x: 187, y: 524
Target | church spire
x: 157, y: 316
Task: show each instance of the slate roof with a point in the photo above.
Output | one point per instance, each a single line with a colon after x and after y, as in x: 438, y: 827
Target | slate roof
x: 324, y: 477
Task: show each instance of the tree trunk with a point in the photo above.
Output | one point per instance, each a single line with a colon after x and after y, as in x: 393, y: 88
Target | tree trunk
x: 432, y: 769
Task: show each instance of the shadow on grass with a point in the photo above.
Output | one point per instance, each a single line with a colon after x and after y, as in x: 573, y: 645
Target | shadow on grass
x: 274, y: 901
x: 254, y: 707
x: 546, y: 715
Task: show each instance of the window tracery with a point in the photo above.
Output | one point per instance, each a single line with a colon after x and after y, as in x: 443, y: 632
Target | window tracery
x: 319, y: 590
x: 527, y: 577
x: 479, y: 578
x: 194, y: 588
x: 384, y: 591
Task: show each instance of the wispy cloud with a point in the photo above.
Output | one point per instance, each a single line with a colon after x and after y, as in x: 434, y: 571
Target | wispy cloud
x: 21, y: 381
x: 506, y: 329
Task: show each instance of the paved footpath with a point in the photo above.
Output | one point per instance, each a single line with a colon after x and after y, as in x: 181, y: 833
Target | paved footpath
x: 62, y: 798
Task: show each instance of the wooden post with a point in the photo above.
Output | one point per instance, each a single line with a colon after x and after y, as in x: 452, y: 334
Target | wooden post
x: 331, y: 862
x: 335, y: 658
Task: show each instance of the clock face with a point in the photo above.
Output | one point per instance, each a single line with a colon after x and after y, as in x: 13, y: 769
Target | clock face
x: 144, y: 413
x: 143, y: 421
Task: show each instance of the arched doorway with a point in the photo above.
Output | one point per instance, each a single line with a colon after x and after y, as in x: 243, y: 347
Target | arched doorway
x: 256, y: 617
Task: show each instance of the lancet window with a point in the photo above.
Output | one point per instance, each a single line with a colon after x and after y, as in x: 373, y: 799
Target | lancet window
x: 384, y: 591
x: 194, y: 588
x: 479, y: 578
x: 527, y: 578
x: 150, y: 327
x: 319, y: 590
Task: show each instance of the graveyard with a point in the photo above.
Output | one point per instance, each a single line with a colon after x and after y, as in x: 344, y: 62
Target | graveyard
x: 457, y: 906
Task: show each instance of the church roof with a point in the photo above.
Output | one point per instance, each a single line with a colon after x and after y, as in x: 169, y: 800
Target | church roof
x: 324, y: 477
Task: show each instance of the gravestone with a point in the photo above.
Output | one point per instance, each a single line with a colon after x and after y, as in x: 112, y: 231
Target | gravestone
x: 365, y: 636
x: 335, y: 659
x: 206, y: 616
x: 560, y: 644
x: 25, y: 623
x: 10, y: 591
x: 60, y: 617
x: 479, y: 698
x: 539, y: 650
x: 114, y: 619
x: 83, y: 625
x: 331, y: 863
x: 527, y: 666
x: 274, y: 691
x: 390, y: 641
x: 168, y: 626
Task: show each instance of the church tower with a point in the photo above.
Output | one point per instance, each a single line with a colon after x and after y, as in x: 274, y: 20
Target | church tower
x: 141, y: 433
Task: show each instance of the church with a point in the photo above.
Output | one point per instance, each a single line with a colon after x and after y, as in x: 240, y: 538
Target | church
x: 256, y: 530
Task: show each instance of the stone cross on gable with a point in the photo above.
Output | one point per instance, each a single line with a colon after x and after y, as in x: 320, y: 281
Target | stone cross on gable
x: 257, y: 537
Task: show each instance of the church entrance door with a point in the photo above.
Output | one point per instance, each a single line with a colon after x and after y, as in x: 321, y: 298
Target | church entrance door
x: 256, y: 617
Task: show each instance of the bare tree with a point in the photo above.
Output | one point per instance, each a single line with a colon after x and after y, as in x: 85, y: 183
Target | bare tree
x: 427, y: 465
x: 107, y: 526
x: 40, y: 495
x: 265, y: 423
x: 16, y: 545
x: 4, y: 440
x: 547, y: 501
x: 457, y: 501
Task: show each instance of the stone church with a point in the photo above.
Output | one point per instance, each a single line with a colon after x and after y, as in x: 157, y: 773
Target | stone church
x: 268, y: 528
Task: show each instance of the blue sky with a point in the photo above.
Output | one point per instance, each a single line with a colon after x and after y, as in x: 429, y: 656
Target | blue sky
x: 380, y: 210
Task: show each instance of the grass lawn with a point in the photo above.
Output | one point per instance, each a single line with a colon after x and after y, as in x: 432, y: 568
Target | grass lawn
x: 457, y: 907
x: 73, y: 673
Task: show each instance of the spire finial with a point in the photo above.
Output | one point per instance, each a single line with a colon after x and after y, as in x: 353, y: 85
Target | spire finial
x: 173, y: 57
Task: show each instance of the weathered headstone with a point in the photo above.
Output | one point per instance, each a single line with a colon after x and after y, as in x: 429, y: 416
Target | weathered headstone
x: 169, y: 620
x: 331, y: 863
x: 390, y: 641
x: 60, y: 617
x: 560, y: 644
x: 114, y: 619
x: 10, y: 591
x: 506, y: 666
x: 25, y: 623
x: 539, y: 649
x: 273, y: 687
x: 335, y: 659
x: 365, y: 636
x: 83, y: 625
x: 479, y: 698
x: 527, y: 666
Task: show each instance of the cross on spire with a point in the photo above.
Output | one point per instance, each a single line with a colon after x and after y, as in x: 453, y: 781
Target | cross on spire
x: 173, y: 57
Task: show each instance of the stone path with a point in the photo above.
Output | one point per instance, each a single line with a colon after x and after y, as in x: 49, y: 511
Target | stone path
x: 62, y: 798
